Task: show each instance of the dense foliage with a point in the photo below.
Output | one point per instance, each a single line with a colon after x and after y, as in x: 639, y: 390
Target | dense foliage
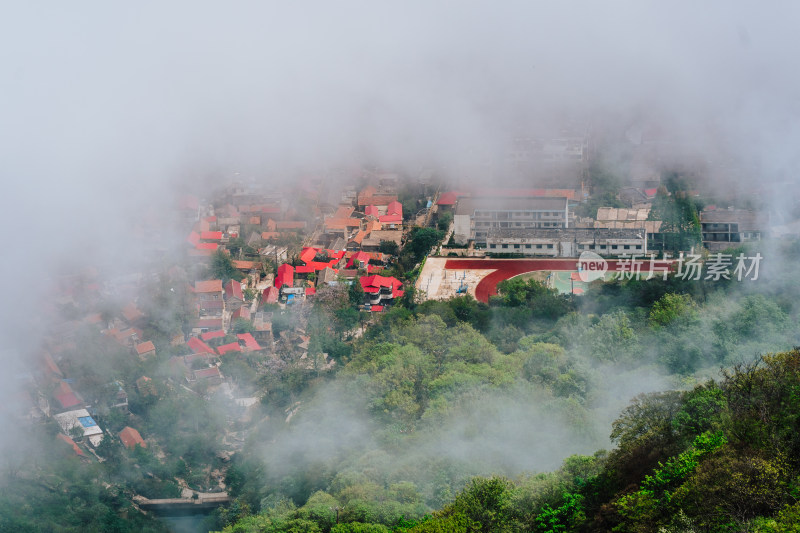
x: 723, y: 456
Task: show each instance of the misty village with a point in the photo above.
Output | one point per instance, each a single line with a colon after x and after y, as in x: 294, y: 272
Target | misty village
x: 430, y: 268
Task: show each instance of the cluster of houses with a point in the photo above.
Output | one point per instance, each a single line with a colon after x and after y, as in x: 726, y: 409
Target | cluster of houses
x: 377, y: 216
x: 74, y: 415
x: 343, y: 247
x: 331, y: 267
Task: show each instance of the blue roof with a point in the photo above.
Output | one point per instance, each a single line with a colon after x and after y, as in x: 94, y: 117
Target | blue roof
x: 87, y: 421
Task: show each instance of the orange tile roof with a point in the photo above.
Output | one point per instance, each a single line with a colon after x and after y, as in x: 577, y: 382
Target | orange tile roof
x: 131, y: 438
x: 343, y: 211
x: 359, y: 238
x: 144, y: 347
x: 308, y: 254
x: 211, y: 235
x: 208, y: 335
x: 385, y: 199
x: 75, y: 447
x: 244, y: 265
x: 249, y: 341
x: 342, y: 223
x: 212, y: 285
x: 231, y: 347
x: 198, y: 346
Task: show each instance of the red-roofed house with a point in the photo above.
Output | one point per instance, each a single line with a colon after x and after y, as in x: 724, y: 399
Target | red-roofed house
x: 392, y: 221
x: 212, y: 287
x: 208, y: 335
x: 380, y: 288
x: 339, y: 224
x: 394, y: 214
x: 211, y: 235
x: 230, y: 347
x: 308, y: 254
x: 210, y: 297
x: 285, y: 276
x: 66, y: 396
x: 311, y: 291
x: 198, y: 346
x: 244, y: 265
x: 131, y: 438
x: 243, y: 312
x: 270, y: 295
x: 394, y: 208
x: 358, y: 260
x: 372, y: 211
x: 374, y: 199
x: 145, y: 350
x: 321, y: 265
x: 448, y: 198
x: 127, y: 337
x: 343, y: 211
x: 205, y: 324
x: 250, y: 343
x: 69, y: 441
x: 234, y: 298
x: 359, y: 238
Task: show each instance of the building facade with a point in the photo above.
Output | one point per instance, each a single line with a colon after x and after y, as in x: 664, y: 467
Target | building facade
x: 728, y: 228
x: 476, y: 217
x: 566, y: 242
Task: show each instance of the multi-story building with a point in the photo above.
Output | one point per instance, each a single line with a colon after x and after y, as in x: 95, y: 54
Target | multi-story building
x: 728, y: 228
x: 475, y: 217
x: 567, y: 242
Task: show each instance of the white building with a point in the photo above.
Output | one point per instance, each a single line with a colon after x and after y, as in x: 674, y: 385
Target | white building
x: 80, y: 418
x: 476, y: 216
x: 567, y: 242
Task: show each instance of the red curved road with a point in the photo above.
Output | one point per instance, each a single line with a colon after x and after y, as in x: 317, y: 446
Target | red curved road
x: 508, y: 268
